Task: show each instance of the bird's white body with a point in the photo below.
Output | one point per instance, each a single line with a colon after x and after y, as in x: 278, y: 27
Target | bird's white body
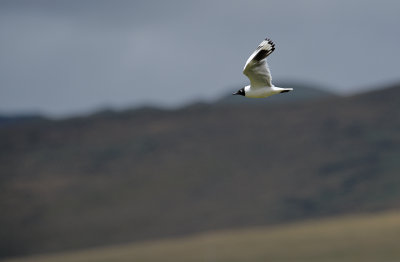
x: 262, y: 92
x: 257, y: 70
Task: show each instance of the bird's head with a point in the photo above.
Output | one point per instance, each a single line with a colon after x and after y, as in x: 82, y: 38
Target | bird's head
x: 239, y: 92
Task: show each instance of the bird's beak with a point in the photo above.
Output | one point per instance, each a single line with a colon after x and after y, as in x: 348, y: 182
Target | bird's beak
x: 236, y: 93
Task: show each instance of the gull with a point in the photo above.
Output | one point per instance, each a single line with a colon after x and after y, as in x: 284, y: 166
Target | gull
x: 257, y: 70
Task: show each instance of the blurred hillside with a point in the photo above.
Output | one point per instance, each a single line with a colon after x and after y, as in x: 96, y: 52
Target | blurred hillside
x: 148, y: 174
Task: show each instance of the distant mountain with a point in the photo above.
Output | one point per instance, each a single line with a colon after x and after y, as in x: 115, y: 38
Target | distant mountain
x: 301, y: 93
x: 146, y: 174
x: 17, y: 119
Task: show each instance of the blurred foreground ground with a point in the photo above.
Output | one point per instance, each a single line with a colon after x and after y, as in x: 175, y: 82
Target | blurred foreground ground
x: 350, y: 238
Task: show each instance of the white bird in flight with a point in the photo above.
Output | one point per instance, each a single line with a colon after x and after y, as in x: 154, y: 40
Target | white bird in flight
x: 256, y: 69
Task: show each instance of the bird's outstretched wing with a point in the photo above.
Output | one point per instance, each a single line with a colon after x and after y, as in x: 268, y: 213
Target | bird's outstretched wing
x: 256, y: 68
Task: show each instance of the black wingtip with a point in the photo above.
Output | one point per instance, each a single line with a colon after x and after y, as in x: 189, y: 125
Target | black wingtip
x: 269, y: 41
x: 262, y: 54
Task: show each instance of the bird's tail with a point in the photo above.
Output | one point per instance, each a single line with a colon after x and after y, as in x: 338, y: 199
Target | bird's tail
x: 285, y: 90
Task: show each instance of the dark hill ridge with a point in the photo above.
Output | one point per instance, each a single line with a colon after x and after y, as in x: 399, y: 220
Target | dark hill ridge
x: 18, y: 119
x: 303, y: 92
x: 147, y: 174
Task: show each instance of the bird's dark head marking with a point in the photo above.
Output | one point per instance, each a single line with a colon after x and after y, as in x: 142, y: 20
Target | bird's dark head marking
x: 239, y: 92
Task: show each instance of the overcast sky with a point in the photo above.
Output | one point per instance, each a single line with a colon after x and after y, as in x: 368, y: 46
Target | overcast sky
x: 73, y: 56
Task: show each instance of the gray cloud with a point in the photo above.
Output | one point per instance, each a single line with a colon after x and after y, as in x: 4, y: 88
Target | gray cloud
x: 63, y: 57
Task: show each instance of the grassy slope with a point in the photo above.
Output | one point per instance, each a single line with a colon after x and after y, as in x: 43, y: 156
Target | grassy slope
x: 350, y: 238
